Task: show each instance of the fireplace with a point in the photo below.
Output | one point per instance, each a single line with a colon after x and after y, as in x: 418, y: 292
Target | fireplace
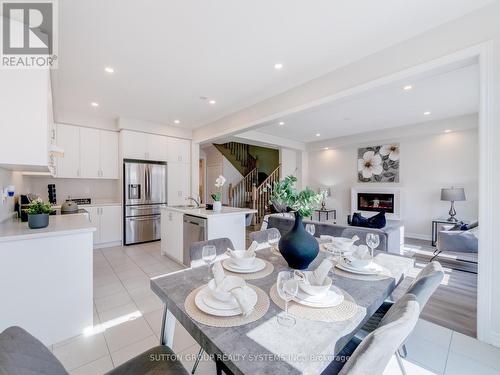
x: 376, y: 202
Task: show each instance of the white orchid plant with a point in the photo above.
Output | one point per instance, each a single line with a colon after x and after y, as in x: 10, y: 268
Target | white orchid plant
x: 219, y: 183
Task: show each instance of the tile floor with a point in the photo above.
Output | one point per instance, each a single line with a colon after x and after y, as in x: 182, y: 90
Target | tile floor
x: 127, y: 320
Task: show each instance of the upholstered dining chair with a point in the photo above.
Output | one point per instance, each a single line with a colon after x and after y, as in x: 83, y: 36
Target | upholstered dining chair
x: 23, y: 354
x: 196, y: 248
x: 261, y: 236
x: 372, y: 354
x: 424, y: 285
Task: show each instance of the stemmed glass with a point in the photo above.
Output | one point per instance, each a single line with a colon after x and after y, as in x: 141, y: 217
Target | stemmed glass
x: 273, y: 238
x: 208, y: 254
x: 287, y: 287
x: 311, y: 229
x: 372, y: 240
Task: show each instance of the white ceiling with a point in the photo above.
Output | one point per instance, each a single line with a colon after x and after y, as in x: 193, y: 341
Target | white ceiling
x: 448, y: 94
x: 166, y: 54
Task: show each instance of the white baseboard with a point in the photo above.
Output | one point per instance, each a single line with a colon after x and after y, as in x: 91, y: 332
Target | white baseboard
x: 418, y: 236
x: 108, y: 244
x: 493, y: 339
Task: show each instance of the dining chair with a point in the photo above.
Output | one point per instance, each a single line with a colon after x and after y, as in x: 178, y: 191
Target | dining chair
x: 23, y: 354
x: 372, y: 354
x: 196, y: 248
x: 261, y: 236
x: 424, y: 285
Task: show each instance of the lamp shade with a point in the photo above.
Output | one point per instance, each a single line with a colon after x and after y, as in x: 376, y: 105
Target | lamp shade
x: 326, y: 191
x: 453, y: 194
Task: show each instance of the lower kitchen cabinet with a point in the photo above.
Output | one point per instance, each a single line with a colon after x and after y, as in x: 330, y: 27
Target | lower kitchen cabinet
x: 108, y: 221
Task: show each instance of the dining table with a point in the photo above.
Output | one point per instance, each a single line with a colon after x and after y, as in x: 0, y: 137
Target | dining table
x: 264, y: 346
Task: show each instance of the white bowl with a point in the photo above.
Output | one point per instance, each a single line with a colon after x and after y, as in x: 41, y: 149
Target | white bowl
x: 343, y: 243
x: 242, y: 258
x: 315, y: 290
x: 360, y: 262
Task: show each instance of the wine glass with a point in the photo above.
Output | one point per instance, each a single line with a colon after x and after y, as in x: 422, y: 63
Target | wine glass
x: 287, y: 288
x: 310, y: 228
x: 372, y: 240
x: 273, y: 239
x: 208, y: 254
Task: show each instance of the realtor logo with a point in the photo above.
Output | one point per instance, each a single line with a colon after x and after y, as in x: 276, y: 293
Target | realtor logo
x: 29, y: 35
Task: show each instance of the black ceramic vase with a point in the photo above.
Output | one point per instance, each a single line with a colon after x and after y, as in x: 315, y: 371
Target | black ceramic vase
x: 298, y: 247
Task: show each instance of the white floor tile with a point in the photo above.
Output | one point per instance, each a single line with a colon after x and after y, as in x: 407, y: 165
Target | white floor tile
x: 182, y: 339
x: 128, y: 352
x: 112, y: 301
x: 432, y: 332
x: 188, y: 357
x: 137, y: 282
x: 148, y: 304
x: 81, y: 350
x: 410, y: 368
x: 154, y: 319
x: 127, y: 333
x: 427, y: 354
x: 117, y: 312
x: 99, y: 366
x: 472, y: 348
x: 108, y: 289
x: 459, y: 364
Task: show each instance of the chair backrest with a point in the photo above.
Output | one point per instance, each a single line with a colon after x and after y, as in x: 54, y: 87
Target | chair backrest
x: 375, y: 351
x: 261, y: 236
x: 426, y: 283
x: 221, y: 245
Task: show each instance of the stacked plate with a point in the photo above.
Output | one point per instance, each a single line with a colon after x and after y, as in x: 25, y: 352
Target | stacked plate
x: 233, y: 265
x: 370, y: 269
x: 212, y: 303
x: 331, y: 298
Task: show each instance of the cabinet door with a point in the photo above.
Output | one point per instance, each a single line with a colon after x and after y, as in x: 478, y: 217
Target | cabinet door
x: 89, y: 153
x: 109, y: 154
x: 111, y: 223
x: 172, y: 234
x: 94, y: 220
x: 179, y: 150
x: 157, y: 147
x: 68, y: 138
x: 178, y: 183
x: 134, y: 144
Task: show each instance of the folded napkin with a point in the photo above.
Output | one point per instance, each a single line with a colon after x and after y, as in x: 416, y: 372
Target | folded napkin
x: 233, y: 285
x: 320, y: 273
x: 250, y: 252
x: 326, y: 238
x: 361, y: 252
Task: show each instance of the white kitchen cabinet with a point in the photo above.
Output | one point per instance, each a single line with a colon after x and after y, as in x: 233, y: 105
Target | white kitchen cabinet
x: 68, y: 137
x: 171, y: 238
x: 179, y: 150
x: 178, y: 188
x: 107, y: 219
x: 89, y: 153
x: 108, y: 147
x: 133, y: 144
x: 157, y: 147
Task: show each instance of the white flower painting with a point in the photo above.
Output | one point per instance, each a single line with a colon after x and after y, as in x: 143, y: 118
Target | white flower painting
x: 379, y: 163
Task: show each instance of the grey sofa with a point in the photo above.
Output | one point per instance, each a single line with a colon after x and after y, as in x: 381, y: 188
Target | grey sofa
x: 460, y: 244
x: 391, y: 236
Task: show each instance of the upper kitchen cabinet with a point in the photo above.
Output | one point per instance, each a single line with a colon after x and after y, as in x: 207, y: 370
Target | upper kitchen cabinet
x: 68, y: 137
x: 108, y: 147
x: 143, y: 146
x: 179, y: 150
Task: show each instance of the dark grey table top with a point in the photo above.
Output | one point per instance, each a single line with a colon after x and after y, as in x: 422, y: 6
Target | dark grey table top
x: 265, y: 347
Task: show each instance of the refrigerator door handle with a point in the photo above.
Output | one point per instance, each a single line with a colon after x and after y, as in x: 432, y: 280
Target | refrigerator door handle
x: 146, y: 182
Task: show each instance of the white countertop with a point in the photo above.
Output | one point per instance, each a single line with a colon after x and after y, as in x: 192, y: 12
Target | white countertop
x: 15, y: 230
x: 203, y: 212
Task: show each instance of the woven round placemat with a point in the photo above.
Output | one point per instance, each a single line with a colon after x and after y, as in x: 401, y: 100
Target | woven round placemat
x: 266, y: 271
x: 345, y: 311
x: 385, y: 273
x: 258, y: 312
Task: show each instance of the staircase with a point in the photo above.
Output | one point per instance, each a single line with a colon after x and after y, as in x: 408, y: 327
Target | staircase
x: 238, y: 154
x: 261, y: 195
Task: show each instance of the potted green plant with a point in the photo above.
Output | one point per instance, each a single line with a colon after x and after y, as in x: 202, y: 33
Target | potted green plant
x: 217, y: 196
x: 38, y: 214
x: 297, y: 246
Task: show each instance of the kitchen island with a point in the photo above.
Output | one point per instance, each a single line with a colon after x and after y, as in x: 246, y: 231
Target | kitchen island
x: 46, y: 277
x: 182, y: 225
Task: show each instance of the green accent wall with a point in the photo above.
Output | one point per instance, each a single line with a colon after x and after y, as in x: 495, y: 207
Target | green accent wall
x: 269, y: 158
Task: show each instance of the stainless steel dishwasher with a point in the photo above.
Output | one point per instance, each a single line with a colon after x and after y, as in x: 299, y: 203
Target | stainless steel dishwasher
x: 194, y: 229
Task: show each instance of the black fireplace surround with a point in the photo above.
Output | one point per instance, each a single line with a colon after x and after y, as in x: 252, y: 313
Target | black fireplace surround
x: 376, y: 202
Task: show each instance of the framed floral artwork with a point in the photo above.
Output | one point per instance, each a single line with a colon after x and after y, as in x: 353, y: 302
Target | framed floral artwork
x: 379, y: 163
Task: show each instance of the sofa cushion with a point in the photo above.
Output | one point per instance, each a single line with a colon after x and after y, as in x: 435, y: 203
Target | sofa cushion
x: 23, y: 354
x: 377, y: 221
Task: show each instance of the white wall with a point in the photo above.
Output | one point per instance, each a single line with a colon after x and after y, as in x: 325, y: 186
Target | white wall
x: 427, y: 164
x: 9, y: 178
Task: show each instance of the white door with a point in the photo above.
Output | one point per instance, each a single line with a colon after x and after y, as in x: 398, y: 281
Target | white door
x: 111, y: 228
x: 178, y: 183
x: 94, y: 220
x: 109, y: 154
x: 134, y: 144
x: 68, y: 138
x: 179, y: 150
x: 89, y: 153
x: 157, y: 147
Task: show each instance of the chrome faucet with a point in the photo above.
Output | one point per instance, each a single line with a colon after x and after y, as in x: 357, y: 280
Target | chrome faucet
x: 194, y: 200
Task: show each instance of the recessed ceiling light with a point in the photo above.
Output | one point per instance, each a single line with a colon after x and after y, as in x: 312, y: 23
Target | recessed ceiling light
x: 317, y: 134
x: 447, y: 131
x: 407, y: 87
x: 109, y: 70
x: 326, y: 148
x: 177, y: 121
x: 278, y: 66
x: 212, y: 101
x: 281, y: 123
x: 94, y: 104
x: 427, y: 113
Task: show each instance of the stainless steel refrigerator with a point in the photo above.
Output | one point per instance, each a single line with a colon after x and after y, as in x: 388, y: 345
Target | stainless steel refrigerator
x: 144, y: 193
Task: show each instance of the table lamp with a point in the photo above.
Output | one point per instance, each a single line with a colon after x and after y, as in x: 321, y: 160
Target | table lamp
x: 452, y: 195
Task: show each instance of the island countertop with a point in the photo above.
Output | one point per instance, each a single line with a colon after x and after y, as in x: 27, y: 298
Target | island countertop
x: 204, y: 213
x: 13, y: 230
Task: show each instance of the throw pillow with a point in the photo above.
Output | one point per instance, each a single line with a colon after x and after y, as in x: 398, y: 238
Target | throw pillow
x: 376, y: 222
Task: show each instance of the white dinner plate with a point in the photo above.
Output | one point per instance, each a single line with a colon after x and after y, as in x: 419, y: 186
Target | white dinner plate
x: 330, y: 247
x: 332, y: 298
x: 372, y: 269
x: 258, y: 265
x: 199, y: 301
x: 214, y: 303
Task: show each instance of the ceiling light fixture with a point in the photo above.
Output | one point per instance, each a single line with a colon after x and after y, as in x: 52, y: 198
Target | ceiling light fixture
x: 326, y: 148
x: 281, y: 123
x: 427, y: 113
x: 278, y: 66
x: 177, y: 121
x: 407, y: 87
x: 447, y: 131
x: 94, y: 104
x: 212, y: 101
x: 317, y: 134
x: 109, y: 70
